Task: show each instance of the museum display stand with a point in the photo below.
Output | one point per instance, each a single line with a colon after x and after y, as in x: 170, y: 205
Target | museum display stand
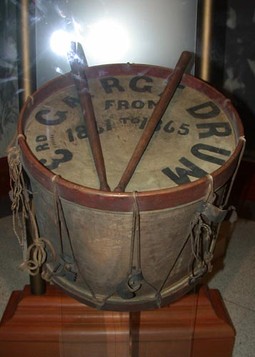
x: 54, y: 324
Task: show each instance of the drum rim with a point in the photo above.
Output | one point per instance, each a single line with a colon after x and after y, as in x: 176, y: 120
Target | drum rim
x: 169, y: 295
x: 114, y: 201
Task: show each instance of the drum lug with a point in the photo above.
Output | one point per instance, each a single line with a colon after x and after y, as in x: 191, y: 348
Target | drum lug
x: 213, y: 213
x: 65, y: 268
x: 127, y: 288
x: 193, y: 280
x: 134, y: 280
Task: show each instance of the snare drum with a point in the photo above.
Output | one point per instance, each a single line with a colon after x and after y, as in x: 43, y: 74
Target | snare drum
x: 149, y: 245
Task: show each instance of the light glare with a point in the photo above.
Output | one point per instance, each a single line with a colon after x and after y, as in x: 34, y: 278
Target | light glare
x: 107, y: 41
x: 60, y: 42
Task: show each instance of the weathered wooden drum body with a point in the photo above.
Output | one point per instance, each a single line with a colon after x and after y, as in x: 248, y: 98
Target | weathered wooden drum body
x: 149, y: 245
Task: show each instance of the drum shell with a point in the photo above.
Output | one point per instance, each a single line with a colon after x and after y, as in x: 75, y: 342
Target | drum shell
x: 95, y: 235
x: 98, y: 244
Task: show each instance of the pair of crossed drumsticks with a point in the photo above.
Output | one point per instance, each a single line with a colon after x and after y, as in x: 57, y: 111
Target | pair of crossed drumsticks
x: 78, y: 64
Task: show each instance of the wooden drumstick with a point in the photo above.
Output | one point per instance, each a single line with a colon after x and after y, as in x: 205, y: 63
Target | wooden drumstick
x: 78, y: 64
x: 157, y: 114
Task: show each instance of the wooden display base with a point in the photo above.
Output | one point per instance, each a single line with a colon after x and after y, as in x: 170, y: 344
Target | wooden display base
x: 54, y: 324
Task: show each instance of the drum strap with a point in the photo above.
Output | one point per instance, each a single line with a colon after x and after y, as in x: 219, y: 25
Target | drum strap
x: 209, y: 216
x: 34, y: 255
x: 204, y: 233
x: 158, y: 296
x: 135, y: 247
x: 128, y: 287
x: 65, y: 265
x: 206, y: 225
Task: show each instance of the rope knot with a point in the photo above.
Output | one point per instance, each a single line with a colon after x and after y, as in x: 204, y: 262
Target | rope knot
x: 36, y: 255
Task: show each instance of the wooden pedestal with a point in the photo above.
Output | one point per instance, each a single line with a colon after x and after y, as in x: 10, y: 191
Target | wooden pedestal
x: 55, y: 325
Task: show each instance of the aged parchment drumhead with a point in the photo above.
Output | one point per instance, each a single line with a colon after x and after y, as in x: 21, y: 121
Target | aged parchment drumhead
x: 195, y: 136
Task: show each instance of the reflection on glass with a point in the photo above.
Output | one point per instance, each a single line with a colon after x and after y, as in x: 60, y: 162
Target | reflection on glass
x: 144, y: 31
x: 106, y: 41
